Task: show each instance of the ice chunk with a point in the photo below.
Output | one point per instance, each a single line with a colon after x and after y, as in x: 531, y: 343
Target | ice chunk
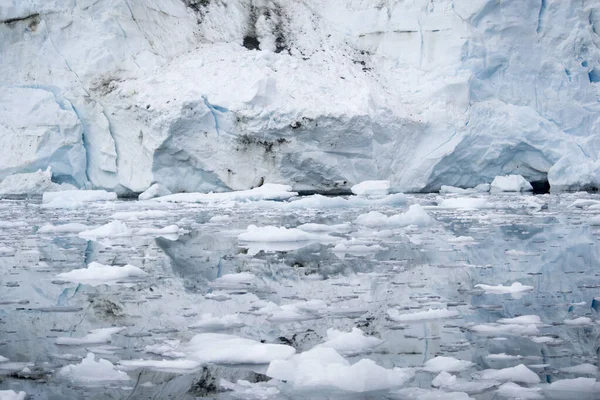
x: 502, y: 356
x: 447, y: 364
x: 510, y: 183
x: 3, y: 359
x: 519, y: 253
x: 520, y: 374
x: 422, y: 315
x: 416, y: 393
x: 229, y: 349
x: 267, y: 191
x: 481, y: 188
x: 581, y: 321
x: 570, y: 388
x: 80, y: 196
x: 322, y: 228
x: 156, y: 190
x: 113, y: 229
x: 506, y: 329
x: 166, y: 231
x: 513, y: 391
x: 581, y: 369
x: 210, y: 323
x: 414, y: 216
x: 90, y: 371
x: 450, y: 382
x: 515, y: 288
x: 464, y: 203
x: 96, y: 336
x: 235, y: 281
x: 324, y: 367
x: 523, y: 319
x: 161, y: 365
x: 279, y: 234
x: 71, y: 227
x: 299, y: 311
x: 169, y: 348
x: 35, y: 183
x: 98, y: 274
x: 350, y: 343
x: 12, y: 395
x: 371, y: 188
x: 134, y: 215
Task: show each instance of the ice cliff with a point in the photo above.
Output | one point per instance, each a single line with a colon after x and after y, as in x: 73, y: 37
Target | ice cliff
x: 201, y: 95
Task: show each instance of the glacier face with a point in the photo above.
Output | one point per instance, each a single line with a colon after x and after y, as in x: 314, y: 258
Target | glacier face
x: 121, y: 94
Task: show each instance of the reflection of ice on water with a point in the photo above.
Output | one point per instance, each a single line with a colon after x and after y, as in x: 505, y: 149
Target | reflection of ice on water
x: 417, y: 291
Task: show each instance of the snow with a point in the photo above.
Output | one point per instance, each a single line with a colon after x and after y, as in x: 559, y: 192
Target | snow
x: 371, y: 188
x: 98, y: 274
x: 514, y: 288
x: 209, y: 323
x: 422, y: 315
x: 156, y: 190
x: 12, y: 395
x: 71, y: 227
x: 229, y: 349
x: 91, y: 371
x: 519, y: 374
x: 96, y: 336
x: 510, y: 183
x: 113, y: 229
x: 446, y: 364
x: 324, y: 367
x: 268, y: 191
x: 350, y: 343
x: 35, y: 183
x: 415, y: 215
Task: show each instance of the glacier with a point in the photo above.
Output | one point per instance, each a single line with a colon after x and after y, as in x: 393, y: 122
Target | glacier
x: 216, y: 95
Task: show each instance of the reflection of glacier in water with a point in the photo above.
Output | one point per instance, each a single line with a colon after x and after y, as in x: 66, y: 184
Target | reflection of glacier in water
x: 415, y: 288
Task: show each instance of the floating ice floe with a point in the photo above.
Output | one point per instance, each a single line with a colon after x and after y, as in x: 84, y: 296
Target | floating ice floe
x: 481, y: 188
x: 350, y: 343
x: 463, y: 203
x: 168, y: 348
x: 279, y: 234
x: 430, y: 314
x: 523, y: 319
x: 520, y: 374
x: 446, y: 364
x: 229, y: 349
x: 161, y: 365
x: 69, y: 198
x: 513, y: 391
x: 168, y: 231
x: 268, y: 191
x: 506, y: 329
x: 114, y: 229
x: 416, y: 393
x: 156, y: 190
x: 210, y: 324
x: 12, y: 395
x: 294, y: 312
x: 322, y: 228
x: 324, y: 367
x: 318, y: 201
x: 98, y: 274
x: 519, y: 253
x: 515, y: 289
x: 92, y: 371
x: 371, y: 188
x: 72, y: 227
x: 135, y: 215
x: 510, y: 183
x: 96, y: 336
x: 581, y: 369
x: 242, y: 280
x: 581, y: 321
x: 33, y: 183
x: 450, y: 382
x: 568, y: 389
x: 415, y: 215
x: 356, y: 247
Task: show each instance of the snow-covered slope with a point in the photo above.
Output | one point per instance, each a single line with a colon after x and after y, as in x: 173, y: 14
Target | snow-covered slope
x: 119, y: 94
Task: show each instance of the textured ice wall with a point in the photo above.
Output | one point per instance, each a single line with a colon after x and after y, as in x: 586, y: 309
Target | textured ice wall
x: 422, y: 92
